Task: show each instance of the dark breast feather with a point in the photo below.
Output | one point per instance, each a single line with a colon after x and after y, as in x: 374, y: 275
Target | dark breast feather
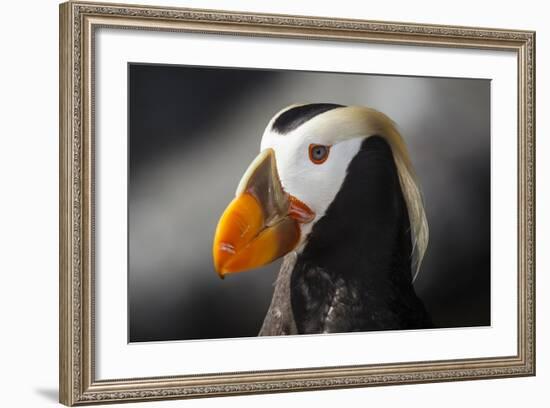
x: 279, y: 319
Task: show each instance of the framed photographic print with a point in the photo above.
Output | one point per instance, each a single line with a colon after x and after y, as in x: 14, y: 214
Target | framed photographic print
x: 258, y: 203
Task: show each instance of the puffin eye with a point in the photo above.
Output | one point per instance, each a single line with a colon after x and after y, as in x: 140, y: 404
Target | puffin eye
x: 318, y: 154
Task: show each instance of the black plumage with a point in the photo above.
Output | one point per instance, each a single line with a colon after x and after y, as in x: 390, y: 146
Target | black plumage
x: 354, y: 272
x: 298, y: 115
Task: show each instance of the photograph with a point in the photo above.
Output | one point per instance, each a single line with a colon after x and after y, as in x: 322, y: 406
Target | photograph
x: 267, y: 202
x: 261, y: 202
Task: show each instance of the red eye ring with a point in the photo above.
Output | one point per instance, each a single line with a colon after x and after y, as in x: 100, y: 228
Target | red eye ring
x: 318, y: 154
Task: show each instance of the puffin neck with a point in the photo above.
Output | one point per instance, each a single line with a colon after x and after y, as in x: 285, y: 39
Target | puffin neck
x: 361, y: 246
x: 366, y: 227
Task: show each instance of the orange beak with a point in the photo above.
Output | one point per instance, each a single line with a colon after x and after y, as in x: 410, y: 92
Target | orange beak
x: 261, y: 224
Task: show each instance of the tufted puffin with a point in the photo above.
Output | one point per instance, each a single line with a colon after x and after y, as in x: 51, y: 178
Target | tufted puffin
x: 334, y: 192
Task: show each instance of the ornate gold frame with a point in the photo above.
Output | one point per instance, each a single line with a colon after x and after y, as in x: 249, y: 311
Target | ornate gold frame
x: 78, y: 21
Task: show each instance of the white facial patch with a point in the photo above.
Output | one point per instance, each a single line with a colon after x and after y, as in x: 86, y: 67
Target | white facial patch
x: 314, y: 184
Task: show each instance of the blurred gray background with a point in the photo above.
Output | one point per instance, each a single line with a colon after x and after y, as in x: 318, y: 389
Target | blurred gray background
x: 192, y: 133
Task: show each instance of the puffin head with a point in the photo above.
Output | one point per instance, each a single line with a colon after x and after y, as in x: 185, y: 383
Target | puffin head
x: 304, y: 157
